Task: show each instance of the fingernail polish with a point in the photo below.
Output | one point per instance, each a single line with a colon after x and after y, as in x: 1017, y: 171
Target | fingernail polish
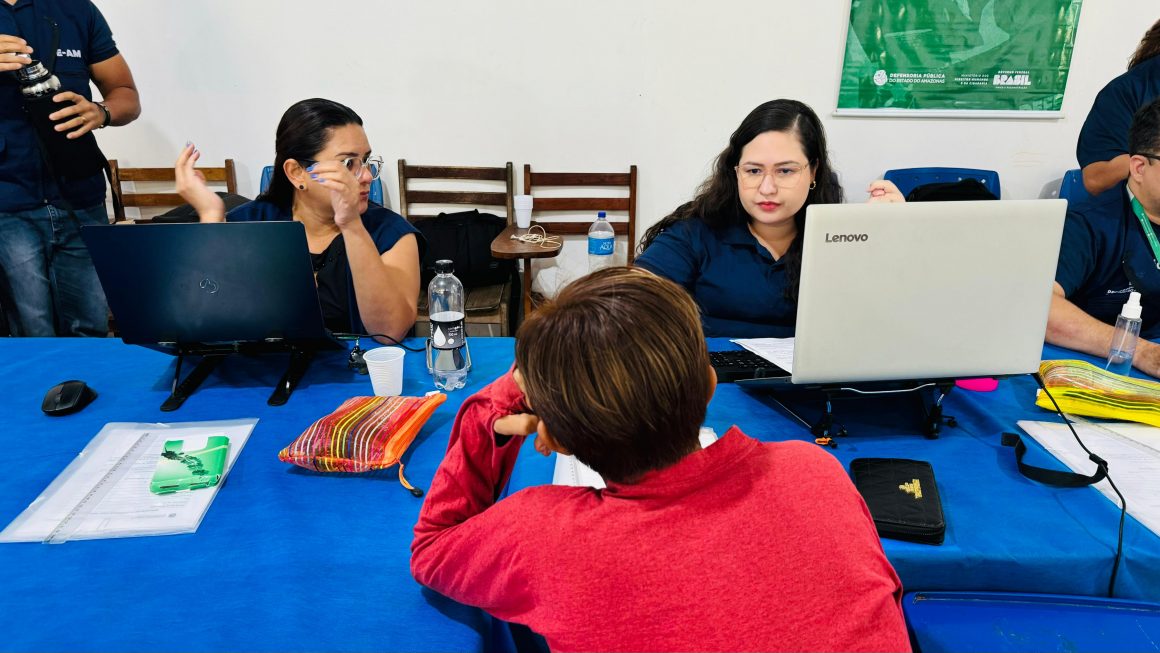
x: 314, y: 176
x: 188, y: 143
x: 310, y: 168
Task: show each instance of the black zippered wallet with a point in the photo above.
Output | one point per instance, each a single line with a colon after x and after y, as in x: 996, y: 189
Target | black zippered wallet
x: 902, y: 497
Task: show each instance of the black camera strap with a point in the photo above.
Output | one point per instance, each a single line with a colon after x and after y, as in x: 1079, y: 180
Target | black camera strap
x: 63, y: 202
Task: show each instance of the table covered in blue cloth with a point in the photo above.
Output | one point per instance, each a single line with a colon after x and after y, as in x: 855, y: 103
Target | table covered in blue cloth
x: 285, y: 560
x: 288, y: 559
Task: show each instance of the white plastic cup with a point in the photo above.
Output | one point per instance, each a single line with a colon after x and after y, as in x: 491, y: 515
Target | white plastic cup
x: 523, y: 206
x: 385, y: 367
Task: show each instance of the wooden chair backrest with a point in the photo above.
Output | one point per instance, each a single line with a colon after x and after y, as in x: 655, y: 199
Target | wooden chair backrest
x: 225, y: 174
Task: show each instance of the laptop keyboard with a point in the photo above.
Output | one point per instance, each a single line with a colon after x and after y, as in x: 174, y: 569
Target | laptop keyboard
x: 742, y: 364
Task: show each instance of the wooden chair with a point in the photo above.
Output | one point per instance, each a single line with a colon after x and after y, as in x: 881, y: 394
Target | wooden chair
x: 568, y: 225
x: 224, y: 175
x: 489, y: 310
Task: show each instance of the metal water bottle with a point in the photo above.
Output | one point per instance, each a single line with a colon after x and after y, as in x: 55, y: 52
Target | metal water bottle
x: 447, y: 355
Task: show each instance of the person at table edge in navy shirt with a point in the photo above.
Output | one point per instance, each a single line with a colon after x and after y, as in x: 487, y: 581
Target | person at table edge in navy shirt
x: 736, y: 247
x: 54, y: 289
x: 366, y: 258
x: 1102, y: 150
x: 1105, y: 255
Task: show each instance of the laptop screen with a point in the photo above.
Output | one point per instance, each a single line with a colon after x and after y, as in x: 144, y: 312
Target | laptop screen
x: 181, y: 285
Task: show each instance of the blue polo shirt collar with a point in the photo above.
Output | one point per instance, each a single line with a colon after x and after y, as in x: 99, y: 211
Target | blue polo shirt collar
x: 739, y: 235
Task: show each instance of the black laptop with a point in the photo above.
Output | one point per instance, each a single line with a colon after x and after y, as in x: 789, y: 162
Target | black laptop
x: 201, y: 287
x: 210, y: 290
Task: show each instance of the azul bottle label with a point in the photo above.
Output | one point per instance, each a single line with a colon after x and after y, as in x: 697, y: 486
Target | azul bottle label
x: 601, y: 246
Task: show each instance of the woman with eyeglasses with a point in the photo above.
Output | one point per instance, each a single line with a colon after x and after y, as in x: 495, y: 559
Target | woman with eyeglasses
x: 366, y: 257
x: 736, y: 247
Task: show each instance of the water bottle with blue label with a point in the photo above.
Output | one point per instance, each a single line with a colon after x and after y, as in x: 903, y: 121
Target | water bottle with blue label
x: 447, y: 355
x: 601, y: 243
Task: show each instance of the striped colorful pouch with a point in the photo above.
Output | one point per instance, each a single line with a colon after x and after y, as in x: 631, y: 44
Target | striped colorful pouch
x: 365, y: 433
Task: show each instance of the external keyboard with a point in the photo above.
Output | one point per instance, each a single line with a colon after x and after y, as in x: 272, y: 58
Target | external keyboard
x: 742, y: 364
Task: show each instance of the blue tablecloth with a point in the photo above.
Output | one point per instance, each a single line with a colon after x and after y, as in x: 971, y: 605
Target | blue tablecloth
x: 288, y: 559
x: 285, y: 560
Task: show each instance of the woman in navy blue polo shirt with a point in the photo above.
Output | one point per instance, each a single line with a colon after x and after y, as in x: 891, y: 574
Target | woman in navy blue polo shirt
x: 737, y: 247
x: 1102, y: 150
x: 366, y: 257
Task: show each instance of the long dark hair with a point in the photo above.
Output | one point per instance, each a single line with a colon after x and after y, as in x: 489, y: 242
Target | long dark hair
x: 717, y: 202
x: 302, y: 133
x: 1149, y: 46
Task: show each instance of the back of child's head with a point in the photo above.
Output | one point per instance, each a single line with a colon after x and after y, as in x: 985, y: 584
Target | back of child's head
x: 617, y: 369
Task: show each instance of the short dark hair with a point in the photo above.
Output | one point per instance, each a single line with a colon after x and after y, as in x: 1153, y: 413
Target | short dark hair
x: 302, y: 133
x: 1144, y: 134
x: 717, y: 202
x: 618, y: 370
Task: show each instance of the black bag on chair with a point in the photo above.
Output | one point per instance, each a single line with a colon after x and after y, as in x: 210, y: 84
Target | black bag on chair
x: 465, y: 238
x: 951, y: 191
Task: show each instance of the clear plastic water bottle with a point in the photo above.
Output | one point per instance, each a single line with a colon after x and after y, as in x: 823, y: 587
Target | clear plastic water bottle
x: 447, y: 354
x: 601, y: 243
x: 1124, y: 339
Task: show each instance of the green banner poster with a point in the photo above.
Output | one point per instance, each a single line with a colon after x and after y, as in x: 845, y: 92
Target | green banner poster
x: 973, y: 56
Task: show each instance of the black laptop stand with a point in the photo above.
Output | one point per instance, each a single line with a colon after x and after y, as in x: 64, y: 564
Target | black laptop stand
x: 826, y: 428
x: 301, y: 355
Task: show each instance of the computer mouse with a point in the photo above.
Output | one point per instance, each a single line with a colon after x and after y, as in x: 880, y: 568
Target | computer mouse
x: 67, y: 397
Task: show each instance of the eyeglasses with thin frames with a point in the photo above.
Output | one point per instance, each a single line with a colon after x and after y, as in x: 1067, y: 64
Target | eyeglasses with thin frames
x: 1154, y: 157
x: 785, y: 177
x: 355, y: 165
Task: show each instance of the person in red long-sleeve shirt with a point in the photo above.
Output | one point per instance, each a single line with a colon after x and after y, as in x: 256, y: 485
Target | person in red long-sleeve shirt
x: 742, y: 545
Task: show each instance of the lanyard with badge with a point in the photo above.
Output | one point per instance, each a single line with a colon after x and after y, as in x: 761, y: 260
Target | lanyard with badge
x: 1149, y: 230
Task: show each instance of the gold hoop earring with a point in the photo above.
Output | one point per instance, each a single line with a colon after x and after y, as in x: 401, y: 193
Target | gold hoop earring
x: 813, y: 184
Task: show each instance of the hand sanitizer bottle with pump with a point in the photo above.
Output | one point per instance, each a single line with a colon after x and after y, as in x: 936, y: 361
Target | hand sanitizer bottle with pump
x: 1125, y: 336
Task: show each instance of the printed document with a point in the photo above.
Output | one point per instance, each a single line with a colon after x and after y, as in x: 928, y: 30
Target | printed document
x: 778, y: 351
x: 105, y: 492
x: 1133, y: 454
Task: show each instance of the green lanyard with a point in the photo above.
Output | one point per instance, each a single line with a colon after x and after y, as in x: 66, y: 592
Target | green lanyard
x: 1149, y: 231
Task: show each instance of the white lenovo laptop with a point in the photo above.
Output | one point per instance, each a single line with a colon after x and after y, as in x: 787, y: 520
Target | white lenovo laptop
x: 923, y: 290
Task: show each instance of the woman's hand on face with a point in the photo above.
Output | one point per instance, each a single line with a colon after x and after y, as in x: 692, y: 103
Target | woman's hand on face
x: 344, y: 190
x: 191, y: 184
x: 884, y: 191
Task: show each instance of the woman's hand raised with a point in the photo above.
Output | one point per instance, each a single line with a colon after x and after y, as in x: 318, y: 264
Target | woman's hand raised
x: 884, y: 191
x: 193, y: 189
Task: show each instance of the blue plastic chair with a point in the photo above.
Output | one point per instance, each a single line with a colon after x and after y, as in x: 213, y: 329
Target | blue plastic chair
x: 907, y: 179
x: 995, y: 621
x: 1071, y: 189
x: 376, y: 195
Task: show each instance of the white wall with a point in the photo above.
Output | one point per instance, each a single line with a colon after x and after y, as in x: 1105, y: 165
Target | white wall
x: 581, y: 86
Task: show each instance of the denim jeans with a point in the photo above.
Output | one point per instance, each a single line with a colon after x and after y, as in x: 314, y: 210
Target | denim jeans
x: 46, y: 268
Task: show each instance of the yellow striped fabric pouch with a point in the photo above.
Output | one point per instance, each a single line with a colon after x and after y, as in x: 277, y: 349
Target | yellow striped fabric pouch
x: 1081, y: 388
x: 364, y: 434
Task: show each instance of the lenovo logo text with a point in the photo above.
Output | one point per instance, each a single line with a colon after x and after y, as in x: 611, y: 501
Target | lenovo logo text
x: 847, y: 238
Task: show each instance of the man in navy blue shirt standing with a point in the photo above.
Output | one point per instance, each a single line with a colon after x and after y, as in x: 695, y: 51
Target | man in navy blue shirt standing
x: 1111, y: 248
x: 1102, y: 150
x: 45, y: 267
